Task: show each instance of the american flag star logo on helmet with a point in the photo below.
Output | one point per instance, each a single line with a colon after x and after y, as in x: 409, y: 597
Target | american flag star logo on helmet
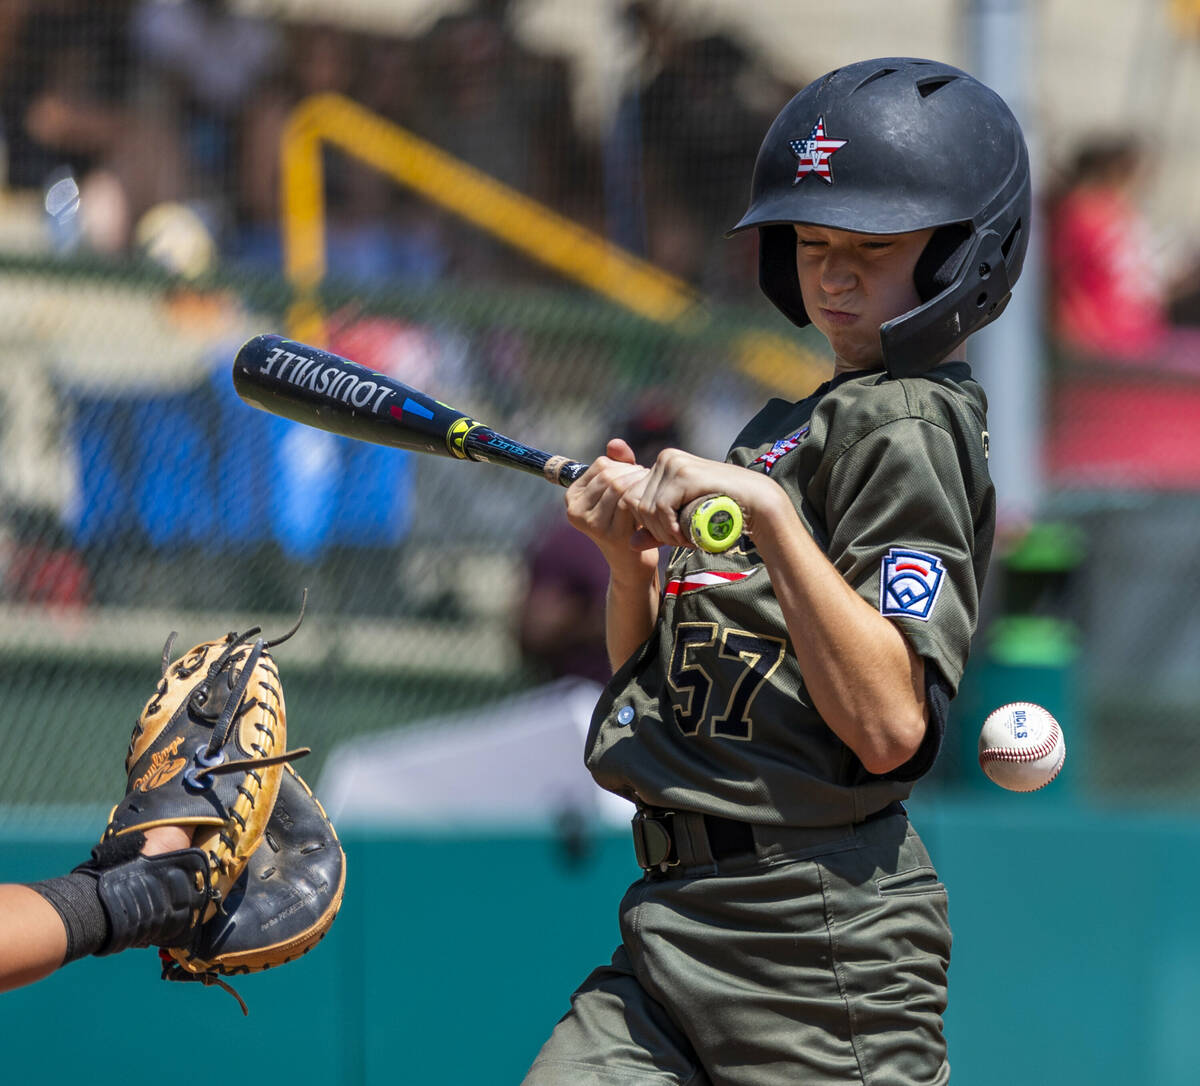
x: 814, y: 153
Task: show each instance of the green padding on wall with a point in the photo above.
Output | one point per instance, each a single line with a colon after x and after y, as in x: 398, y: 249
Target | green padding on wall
x: 1032, y: 641
x: 1076, y: 953
x: 450, y: 962
x: 1076, y: 960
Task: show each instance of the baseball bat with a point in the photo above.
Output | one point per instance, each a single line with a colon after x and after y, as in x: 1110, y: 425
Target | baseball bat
x: 322, y: 389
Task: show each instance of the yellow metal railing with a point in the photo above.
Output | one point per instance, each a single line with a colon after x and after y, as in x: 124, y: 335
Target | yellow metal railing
x: 1185, y: 14
x: 528, y: 226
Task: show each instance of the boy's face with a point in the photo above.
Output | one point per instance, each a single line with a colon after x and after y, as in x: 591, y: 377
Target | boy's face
x: 853, y: 283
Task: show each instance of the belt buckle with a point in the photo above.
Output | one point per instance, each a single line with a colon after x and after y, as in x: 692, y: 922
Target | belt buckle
x: 653, y: 844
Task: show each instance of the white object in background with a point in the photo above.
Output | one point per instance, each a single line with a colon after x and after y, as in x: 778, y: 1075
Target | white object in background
x: 512, y: 762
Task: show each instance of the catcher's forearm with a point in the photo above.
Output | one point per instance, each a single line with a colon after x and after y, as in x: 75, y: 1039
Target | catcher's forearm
x: 76, y: 899
x: 121, y: 898
x: 45, y: 925
x: 33, y: 940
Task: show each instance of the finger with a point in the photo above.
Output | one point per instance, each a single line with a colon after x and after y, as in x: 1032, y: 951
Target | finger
x: 620, y: 450
x: 595, y: 468
x: 596, y: 508
x: 632, y: 504
x: 600, y: 475
x: 632, y: 488
x: 656, y: 509
x: 160, y: 839
x: 608, y: 515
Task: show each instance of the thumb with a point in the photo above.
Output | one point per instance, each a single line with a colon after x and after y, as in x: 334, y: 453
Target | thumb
x: 618, y: 449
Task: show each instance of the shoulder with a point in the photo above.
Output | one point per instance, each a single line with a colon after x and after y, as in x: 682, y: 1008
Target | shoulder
x: 947, y: 397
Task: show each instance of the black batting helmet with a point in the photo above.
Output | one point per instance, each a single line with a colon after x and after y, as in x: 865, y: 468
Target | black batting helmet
x: 890, y: 146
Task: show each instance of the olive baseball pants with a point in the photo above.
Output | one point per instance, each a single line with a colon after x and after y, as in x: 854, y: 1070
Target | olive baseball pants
x: 819, y: 958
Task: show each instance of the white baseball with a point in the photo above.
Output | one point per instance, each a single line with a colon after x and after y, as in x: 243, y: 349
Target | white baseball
x: 1021, y: 747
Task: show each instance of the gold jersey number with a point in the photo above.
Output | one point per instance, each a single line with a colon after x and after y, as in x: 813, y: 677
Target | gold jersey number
x: 747, y: 660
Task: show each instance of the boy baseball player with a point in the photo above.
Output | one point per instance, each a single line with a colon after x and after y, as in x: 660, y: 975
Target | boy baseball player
x: 773, y: 706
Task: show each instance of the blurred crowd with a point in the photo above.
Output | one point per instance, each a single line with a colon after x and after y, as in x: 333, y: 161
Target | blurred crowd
x: 1123, y: 327
x: 155, y: 125
x: 1118, y: 294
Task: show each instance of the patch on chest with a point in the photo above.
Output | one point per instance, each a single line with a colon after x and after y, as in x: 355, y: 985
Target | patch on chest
x: 781, y: 447
x: 706, y: 578
x: 909, y: 582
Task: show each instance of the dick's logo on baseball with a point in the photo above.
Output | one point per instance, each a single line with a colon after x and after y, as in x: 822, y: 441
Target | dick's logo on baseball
x: 1020, y: 724
x: 334, y: 381
x: 909, y: 583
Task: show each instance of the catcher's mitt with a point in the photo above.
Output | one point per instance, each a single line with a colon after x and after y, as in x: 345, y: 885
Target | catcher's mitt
x: 208, y: 752
x: 283, y: 903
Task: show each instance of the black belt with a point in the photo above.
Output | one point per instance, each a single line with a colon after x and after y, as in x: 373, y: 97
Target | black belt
x: 663, y: 838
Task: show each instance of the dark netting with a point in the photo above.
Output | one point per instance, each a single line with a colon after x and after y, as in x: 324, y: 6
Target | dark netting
x: 145, y: 231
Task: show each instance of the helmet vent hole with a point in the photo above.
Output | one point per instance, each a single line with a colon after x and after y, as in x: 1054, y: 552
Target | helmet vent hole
x: 1013, y: 234
x: 872, y: 77
x: 981, y: 300
x: 926, y: 87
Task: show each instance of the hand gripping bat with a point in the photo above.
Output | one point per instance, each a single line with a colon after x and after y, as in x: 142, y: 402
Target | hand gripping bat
x: 332, y: 393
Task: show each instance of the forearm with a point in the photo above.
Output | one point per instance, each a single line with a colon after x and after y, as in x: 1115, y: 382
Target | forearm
x: 33, y: 941
x: 631, y: 613
x: 862, y: 674
x: 34, y: 919
x: 597, y: 506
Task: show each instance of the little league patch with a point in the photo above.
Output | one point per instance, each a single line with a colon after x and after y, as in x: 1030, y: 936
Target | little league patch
x: 909, y: 582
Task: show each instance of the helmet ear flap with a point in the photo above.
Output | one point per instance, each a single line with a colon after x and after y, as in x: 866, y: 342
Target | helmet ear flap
x: 777, y: 271
x: 939, y: 264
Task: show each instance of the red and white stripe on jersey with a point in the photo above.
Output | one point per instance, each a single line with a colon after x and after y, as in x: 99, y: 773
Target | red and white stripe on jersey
x: 782, y: 446
x: 814, y: 153
x: 706, y: 578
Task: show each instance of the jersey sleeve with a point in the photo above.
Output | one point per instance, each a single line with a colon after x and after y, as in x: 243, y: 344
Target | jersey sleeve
x: 901, y: 520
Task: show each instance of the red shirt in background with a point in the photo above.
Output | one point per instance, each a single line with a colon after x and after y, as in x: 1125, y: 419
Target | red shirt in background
x: 1107, y: 299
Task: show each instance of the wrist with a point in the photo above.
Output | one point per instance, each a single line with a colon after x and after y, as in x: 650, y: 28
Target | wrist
x: 772, y: 517
x: 76, y: 899
x: 632, y: 570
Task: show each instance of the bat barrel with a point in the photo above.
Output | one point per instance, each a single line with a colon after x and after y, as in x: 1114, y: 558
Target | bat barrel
x: 322, y: 389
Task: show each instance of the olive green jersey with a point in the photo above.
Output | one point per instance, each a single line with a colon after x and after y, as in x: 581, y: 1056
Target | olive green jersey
x: 711, y: 713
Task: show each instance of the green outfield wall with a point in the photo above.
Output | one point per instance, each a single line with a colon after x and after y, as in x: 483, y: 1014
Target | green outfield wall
x: 454, y: 956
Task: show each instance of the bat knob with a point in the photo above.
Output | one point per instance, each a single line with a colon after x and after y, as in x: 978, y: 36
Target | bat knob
x: 714, y: 523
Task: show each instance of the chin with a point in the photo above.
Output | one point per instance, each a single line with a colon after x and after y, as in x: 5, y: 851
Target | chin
x: 862, y: 358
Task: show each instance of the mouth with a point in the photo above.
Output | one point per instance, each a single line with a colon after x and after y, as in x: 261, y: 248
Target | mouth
x: 838, y: 316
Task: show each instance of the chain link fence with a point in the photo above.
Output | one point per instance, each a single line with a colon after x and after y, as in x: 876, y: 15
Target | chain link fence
x: 141, y: 243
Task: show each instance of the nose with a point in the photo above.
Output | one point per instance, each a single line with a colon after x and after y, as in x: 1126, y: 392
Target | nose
x: 838, y: 273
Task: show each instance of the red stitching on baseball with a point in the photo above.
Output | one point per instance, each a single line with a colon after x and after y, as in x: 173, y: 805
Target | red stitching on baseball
x: 1026, y: 754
